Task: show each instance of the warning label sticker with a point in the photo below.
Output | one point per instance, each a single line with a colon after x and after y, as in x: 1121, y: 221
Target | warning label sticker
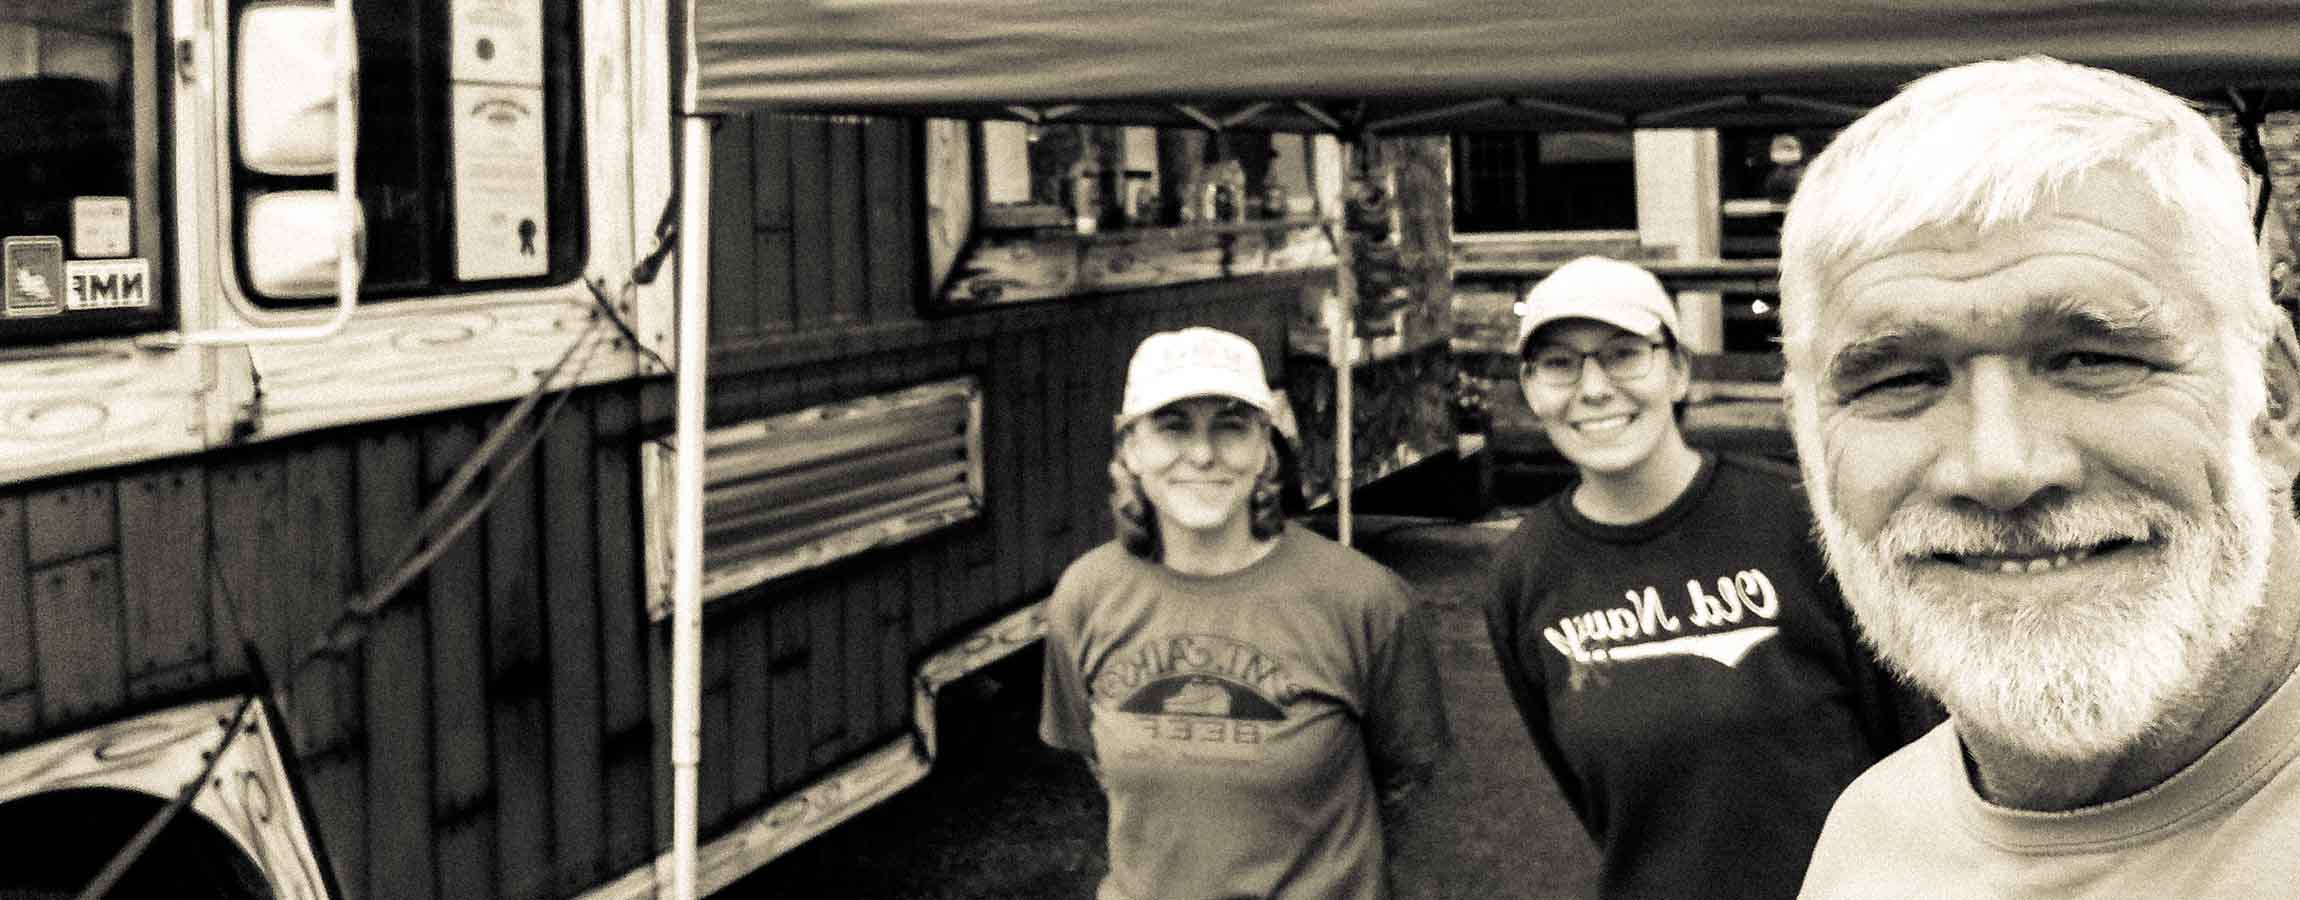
x: 34, y: 268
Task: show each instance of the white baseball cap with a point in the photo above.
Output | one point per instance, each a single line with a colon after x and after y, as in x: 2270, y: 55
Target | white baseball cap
x: 1616, y: 293
x: 1193, y: 362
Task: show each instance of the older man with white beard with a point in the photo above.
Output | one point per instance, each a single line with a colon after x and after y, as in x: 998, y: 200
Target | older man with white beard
x: 2043, y: 406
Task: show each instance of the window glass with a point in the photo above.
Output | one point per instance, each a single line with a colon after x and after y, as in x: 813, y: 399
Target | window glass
x: 80, y: 186
x: 470, y: 170
x: 1096, y: 178
x: 1554, y: 181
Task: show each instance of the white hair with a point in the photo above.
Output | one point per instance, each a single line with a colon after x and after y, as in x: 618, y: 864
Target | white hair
x: 1993, y: 143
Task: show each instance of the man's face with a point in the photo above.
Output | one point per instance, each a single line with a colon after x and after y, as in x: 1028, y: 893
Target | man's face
x: 2030, y: 478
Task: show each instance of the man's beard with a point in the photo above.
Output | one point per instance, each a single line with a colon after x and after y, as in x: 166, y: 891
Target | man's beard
x: 2077, y: 676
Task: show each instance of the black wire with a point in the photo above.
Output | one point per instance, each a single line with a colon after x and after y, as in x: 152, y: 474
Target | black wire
x: 118, y: 866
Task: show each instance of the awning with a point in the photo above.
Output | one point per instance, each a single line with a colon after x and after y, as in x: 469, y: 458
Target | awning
x: 1435, y: 65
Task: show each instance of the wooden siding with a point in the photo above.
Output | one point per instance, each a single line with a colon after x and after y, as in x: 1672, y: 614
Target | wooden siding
x: 811, y: 305
x: 499, y: 732
x: 477, y: 744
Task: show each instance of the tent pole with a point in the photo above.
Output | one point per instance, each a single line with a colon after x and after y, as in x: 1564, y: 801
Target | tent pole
x: 687, y: 527
x: 1343, y: 350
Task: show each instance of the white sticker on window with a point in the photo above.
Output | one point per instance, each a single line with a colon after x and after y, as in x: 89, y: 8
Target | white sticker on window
x: 501, y: 196
x: 34, y: 268
x: 101, y: 227
x: 108, y: 284
x: 498, y: 41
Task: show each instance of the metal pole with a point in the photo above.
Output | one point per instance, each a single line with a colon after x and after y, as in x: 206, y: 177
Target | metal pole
x: 1344, y: 350
x: 687, y: 507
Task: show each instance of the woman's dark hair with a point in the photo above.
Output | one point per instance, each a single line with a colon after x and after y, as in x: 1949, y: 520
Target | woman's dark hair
x: 1137, y: 523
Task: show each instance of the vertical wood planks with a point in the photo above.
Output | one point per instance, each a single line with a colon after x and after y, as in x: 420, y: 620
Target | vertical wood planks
x: 713, y: 772
x: 771, y: 186
x: 75, y: 600
x: 850, y: 256
x: 1026, y: 542
x: 76, y: 626
x: 324, y: 702
x: 889, y: 184
x: 68, y: 521
x: 811, y: 232
x: 890, y: 585
x: 164, y: 578
x: 463, y: 801
x: 249, y: 604
x: 1061, y: 363
x: 571, y: 607
x: 18, y: 676
x: 859, y: 653
x: 789, y: 662
x: 397, y: 674
x: 733, y: 295
x: 518, y: 682
x: 749, y: 675
x: 623, y: 636
x: 825, y: 668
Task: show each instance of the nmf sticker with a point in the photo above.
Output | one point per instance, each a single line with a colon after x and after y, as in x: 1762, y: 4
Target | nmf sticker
x: 108, y: 284
x: 34, y: 268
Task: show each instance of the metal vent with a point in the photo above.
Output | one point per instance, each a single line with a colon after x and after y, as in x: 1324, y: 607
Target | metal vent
x: 795, y: 491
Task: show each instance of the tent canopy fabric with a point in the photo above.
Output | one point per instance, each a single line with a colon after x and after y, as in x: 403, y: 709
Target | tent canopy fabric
x: 1436, y: 65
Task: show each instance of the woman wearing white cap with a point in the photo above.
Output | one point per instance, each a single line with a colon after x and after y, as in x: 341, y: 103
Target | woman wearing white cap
x: 1666, y: 627
x: 1247, y: 692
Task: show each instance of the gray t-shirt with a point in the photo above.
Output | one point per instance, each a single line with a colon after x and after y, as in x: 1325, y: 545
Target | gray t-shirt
x: 1241, y: 722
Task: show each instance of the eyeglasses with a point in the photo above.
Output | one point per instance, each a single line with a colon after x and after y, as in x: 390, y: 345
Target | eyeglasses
x: 1560, y: 366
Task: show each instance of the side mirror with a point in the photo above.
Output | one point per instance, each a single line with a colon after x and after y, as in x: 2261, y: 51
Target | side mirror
x: 285, y: 60
x: 291, y: 246
x: 296, y: 96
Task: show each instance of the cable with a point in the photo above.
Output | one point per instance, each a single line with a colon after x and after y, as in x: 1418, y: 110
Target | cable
x: 134, y: 849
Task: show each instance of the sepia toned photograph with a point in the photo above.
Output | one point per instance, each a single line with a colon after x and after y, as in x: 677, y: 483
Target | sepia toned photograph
x: 1157, y: 450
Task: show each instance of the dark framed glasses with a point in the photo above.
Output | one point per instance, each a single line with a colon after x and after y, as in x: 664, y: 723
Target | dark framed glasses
x: 1559, y: 366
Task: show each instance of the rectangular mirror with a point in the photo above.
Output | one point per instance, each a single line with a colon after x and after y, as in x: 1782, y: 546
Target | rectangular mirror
x: 290, y: 248
x: 285, y: 88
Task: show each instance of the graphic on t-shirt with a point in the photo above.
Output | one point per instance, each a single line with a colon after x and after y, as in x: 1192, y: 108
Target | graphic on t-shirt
x: 1201, y: 695
x: 1644, y: 628
x: 1195, y: 696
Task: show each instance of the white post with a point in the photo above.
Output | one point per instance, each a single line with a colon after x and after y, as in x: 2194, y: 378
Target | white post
x: 1343, y: 351
x: 687, y: 507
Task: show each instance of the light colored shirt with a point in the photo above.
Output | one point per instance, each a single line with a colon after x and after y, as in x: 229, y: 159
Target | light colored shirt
x: 2225, y: 828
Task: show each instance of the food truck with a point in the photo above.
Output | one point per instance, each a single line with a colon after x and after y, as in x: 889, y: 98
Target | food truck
x: 507, y: 449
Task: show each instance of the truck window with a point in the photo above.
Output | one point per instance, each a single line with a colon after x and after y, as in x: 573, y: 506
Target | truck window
x: 80, y: 161
x: 470, y: 152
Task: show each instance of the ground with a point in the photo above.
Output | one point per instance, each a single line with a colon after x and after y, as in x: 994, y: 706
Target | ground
x: 1002, y: 816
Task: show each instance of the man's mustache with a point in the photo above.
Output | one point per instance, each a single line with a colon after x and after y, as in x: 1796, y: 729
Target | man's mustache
x: 2037, y: 530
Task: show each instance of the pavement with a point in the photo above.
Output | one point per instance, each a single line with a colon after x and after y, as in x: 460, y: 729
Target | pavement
x: 1004, y: 817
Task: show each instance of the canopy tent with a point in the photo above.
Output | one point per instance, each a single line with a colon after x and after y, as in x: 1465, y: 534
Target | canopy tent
x: 1442, y: 65
x: 1360, y: 67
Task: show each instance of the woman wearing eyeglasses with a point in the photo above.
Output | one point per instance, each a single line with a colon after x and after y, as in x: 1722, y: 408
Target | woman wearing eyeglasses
x: 1251, y: 696
x: 1666, y: 627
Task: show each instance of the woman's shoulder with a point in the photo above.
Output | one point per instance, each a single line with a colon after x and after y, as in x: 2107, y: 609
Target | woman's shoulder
x: 1760, y: 477
x: 1317, y: 559
x: 1094, y: 567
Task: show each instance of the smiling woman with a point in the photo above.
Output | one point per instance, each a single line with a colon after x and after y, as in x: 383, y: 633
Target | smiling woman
x: 1676, y: 651
x: 1252, y: 698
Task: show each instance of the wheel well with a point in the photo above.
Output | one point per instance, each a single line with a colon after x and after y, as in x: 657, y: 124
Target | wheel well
x: 60, y: 841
